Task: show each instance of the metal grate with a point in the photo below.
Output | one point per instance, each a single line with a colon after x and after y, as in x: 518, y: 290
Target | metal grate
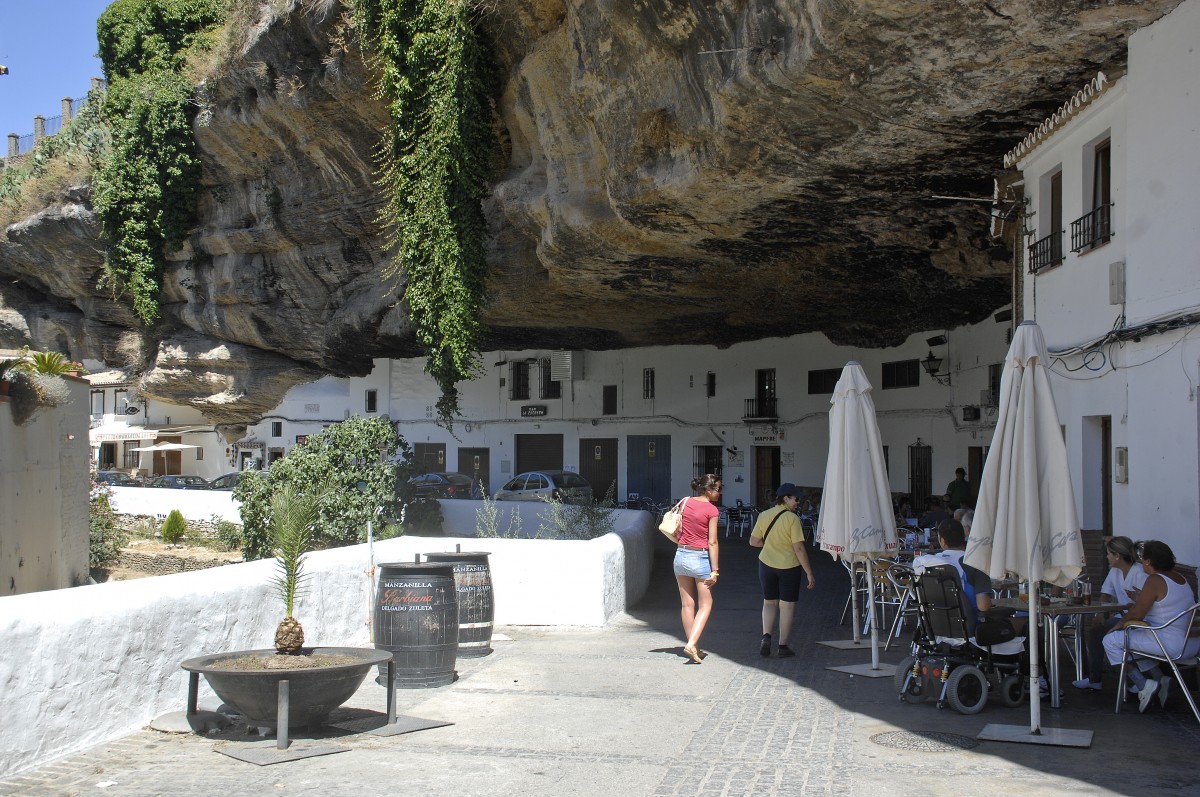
x: 924, y: 741
x: 1092, y: 230
x: 1046, y: 253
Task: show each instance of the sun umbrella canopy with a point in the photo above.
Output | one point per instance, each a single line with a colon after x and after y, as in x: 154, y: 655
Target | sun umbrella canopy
x: 166, y: 447
x: 856, y: 521
x: 1025, y: 520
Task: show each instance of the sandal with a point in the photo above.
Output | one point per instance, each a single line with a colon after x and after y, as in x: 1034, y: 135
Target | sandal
x: 692, y: 653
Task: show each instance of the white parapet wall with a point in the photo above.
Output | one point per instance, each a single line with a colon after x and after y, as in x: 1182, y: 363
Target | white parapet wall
x: 86, y: 665
x: 192, y: 504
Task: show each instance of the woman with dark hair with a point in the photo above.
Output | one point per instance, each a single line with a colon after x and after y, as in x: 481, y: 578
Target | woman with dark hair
x: 1125, y: 579
x: 1164, y: 595
x: 696, y: 558
x: 781, y: 565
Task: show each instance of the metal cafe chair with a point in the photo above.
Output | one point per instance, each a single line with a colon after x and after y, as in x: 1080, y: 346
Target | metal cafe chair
x: 858, y: 581
x: 1187, y: 656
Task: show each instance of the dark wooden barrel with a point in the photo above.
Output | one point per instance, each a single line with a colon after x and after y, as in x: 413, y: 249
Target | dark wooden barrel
x: 476, y: 607
x: 416, y: 620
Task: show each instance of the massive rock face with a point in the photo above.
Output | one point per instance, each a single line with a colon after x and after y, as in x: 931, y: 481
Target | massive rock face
x: 666, y: 172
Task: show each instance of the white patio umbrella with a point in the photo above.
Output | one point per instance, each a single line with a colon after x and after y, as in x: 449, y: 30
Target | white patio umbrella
x: 166, y: 447
x: 1025, y: 520
x: 856, y: 522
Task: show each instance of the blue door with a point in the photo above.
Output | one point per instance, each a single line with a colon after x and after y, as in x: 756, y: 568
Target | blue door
x: 649, y: 471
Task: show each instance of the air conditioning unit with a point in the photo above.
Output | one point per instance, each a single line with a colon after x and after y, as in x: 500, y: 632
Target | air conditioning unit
x: 566, y: 366
x: 1121, y: 470
x: 970, y: 413
x: 988, y: 399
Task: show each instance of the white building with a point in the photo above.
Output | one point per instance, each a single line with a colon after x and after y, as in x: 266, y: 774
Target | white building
x: 1113, y: 279
x: 648, y: 420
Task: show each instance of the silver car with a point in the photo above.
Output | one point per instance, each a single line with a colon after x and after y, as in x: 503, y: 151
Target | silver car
x: 547, y: 485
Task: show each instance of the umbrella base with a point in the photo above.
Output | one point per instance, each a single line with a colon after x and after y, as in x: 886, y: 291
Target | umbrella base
x: 865, y: 670
x: 847, y: 644
x: 1055, y: 737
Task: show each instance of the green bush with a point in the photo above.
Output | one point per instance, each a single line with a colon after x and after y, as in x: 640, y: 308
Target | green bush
x: 229, y: 534
x: 334, y: 462
x: 578, y: 521
x: 422, y: 516
x: 174, y: 527
x: 105, y: 538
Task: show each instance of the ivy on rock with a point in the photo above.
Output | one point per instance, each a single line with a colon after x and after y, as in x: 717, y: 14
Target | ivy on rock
x: 435, y: 163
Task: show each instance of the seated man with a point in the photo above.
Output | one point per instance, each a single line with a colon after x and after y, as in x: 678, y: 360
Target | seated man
x: 977, y: 586
x: 933, y: 518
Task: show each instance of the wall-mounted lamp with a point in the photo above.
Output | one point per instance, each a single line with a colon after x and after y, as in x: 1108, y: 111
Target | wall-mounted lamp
x: 932, y: 365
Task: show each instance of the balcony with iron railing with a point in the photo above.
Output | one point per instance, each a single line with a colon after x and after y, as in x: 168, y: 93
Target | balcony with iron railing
x: 1092, y: 230
x: 761, y: 409
x: 1046, y: 253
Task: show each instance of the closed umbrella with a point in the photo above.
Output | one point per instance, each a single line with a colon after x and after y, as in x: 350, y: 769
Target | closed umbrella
x: 856, y: 522
x: 1025, y: 519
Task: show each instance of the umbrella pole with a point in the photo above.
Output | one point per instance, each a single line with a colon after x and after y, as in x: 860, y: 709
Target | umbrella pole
x: 874, y: 619
x: 1034, y: 629
x: 854, y: 600
x: 370, y: 581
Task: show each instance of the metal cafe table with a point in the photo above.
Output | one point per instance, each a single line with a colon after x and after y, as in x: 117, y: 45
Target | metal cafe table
x: 1062, y: 607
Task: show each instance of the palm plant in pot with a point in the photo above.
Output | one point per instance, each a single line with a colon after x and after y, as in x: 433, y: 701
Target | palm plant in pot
x: 319, y: 678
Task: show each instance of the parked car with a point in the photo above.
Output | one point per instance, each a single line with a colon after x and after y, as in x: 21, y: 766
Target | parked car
x: 116, y: 478
x: 179, y: 482
x: 546, y: 485
x: 226, y: 482
x: 444, y: 485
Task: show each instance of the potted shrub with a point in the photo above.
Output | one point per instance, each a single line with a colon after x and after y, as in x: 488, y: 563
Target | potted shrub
x: 319, y: 679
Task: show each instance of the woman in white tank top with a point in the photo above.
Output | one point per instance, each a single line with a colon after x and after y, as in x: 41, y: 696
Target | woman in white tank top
x: 1165, y: 594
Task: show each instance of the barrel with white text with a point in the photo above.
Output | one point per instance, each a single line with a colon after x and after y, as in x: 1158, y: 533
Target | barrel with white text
x: 476, y: 606
x: 416, y: 620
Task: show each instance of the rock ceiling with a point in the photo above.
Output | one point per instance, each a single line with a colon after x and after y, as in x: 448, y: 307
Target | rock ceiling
x: 665, y: 172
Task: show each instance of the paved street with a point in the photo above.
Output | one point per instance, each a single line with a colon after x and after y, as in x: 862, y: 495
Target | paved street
x: 618, y: 711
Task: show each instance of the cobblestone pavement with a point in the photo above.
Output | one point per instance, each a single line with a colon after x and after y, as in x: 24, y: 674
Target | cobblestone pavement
x: 619, y: 711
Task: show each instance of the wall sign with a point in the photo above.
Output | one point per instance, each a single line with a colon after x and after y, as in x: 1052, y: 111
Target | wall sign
x: 301, y: 438
x: 533, y: 410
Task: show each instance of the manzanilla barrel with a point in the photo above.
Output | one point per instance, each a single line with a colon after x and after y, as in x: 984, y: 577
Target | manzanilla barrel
x: 476, y: 607
x: 416, y: 620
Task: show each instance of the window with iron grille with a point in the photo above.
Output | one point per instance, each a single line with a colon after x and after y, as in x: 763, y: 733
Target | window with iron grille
x: 610, y: 400
x: 276, y: 428
x: 710, y: 387
x: 705, y: 460
x: 1094, y: 228
x: 905, y: 373
x: 518, y: 381
x: 647, y: 383
x: 372, y: 403
x: 551, y: 388
x: 1047, y: 251
x: 823, y: 380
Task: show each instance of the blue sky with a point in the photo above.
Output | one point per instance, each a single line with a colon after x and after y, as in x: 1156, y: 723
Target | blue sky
x: 49, y: 47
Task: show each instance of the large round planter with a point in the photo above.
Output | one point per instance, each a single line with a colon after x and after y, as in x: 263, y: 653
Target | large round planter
x: 313, y: 692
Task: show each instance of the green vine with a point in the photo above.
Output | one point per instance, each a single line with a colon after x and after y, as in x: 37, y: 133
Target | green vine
x: 145, y: 194
x: 435, y: 164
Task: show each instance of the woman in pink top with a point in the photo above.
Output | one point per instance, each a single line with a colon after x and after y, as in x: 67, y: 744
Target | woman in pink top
x: 696, y: 559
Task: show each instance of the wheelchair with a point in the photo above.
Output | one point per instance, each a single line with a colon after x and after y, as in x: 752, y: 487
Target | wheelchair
x: 956, y: 660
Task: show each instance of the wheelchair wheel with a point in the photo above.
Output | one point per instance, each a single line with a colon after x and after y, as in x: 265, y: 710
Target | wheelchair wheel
x: 918, y: 686
x: 1012, y: 690
x: 967, y: 689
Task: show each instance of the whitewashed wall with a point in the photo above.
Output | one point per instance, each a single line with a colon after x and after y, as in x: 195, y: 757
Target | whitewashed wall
x: 107, y: 656
x: 44, y: 496
x: 192, y: 504
x: 1147, y: 387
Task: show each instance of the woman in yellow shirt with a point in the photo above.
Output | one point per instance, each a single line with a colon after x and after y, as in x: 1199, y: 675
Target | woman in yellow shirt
x: 779, y: 533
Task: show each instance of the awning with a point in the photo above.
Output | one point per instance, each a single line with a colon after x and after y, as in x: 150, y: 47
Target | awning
x: 119, y: 432
x: 166, y: 447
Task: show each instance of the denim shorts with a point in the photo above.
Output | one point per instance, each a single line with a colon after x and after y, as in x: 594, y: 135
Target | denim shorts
x: 692, y: 563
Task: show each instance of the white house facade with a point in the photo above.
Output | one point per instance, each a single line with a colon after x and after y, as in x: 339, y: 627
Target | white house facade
x: 1113, y: 279
x: 647, y: 420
